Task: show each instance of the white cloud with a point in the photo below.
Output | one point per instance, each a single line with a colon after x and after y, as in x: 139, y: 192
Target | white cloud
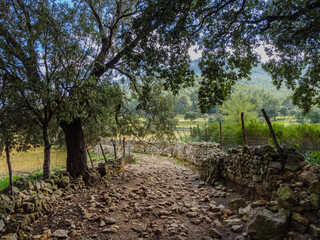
x: 194, y: 53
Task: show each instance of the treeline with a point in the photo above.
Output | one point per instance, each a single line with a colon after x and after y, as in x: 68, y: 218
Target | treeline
x: 248, y: 99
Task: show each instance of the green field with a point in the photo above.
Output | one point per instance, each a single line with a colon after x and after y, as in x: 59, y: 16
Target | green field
x: 32, y: 160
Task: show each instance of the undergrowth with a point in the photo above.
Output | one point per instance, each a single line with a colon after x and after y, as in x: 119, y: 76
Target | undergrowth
x: 136, y: 159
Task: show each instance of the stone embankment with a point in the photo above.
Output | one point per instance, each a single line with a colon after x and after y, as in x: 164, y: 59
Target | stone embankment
x: 288, y: 186
x: 33, y: 198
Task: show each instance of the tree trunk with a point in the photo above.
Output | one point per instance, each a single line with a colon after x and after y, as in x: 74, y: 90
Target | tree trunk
x: 47, y: 150
x: 76, y: 149
x: 7, y: 149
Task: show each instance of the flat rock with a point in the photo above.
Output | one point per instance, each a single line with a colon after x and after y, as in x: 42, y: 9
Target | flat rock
x: 109, y: 220
x: 110, y: 230
x: 266, y: 225
x: 60, y: 233
x: 214, y: 233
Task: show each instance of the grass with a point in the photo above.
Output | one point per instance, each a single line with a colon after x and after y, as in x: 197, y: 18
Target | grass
x: 186, y: 164
x: 182, y: 123
x: 96, y: 158
x: 136, y: 159
x: 32, y: 159
x: 4, y: 182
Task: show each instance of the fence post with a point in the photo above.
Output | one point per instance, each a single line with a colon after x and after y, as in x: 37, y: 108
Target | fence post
x: 7, y: 150
x: 206, y: 130
x: 179, y: 134
x: 56, y: 159
x: 114, y: 149
x: 273, y: 135
x: 184, y: 135
x: 221, y: 145
x: 191, y: 135
x: 124, y: 148
x: 243, y: 130
x: 90, y: 157
x: 175, y: 136
x: 104, y: 156
x: 199, y: 132
x: 129, y: 148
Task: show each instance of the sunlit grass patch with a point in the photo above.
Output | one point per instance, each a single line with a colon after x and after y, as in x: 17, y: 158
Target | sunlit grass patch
x: 32, y: 159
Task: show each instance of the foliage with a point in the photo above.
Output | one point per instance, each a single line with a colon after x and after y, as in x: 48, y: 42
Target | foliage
x: 4, y: 182
x: 65, y: 61
x: 136, y: 159
x: 36, y: 175
x: 191, y: 116
x: 314, y: 116
x: 303, y: 136
x: 230, y: 31
x: 238, y: 103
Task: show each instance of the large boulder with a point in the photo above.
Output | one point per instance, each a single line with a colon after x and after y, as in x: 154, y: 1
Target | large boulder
x: 10, y: 236
x: 266, y: 225
x: 237, y: 203
x: 6, y: 204
x: 315, y: 187
x: 286, y: 197
x: 293, y: 162
x: 103, y: 169
x: 309, y: 174
x: 315, y: 231
x: 64, y: 181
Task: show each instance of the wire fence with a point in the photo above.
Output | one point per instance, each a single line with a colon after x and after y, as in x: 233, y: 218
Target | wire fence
x: 26, y: 162
x: 305, y: 138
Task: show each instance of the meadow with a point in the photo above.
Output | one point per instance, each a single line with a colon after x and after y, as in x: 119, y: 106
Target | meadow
x: 32, y: 160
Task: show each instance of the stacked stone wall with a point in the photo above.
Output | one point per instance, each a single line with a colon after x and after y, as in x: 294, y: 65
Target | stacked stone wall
x: 288, y: 181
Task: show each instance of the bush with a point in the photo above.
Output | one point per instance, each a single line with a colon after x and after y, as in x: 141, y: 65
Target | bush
x: 211, y: 120
x: 190, y: 115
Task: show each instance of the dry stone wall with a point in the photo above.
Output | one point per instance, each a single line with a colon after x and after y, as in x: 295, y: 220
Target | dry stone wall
x: 34, y: 198
x: 288, y: 181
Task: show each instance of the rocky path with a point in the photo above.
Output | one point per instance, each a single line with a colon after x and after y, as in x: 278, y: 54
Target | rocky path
x: 153, y: 199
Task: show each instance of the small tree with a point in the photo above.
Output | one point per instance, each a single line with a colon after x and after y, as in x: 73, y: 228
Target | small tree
x: 191, y: 116
x: 314, y: 116
x: 238, y: 103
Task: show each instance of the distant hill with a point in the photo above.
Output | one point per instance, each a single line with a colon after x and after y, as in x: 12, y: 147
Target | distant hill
x: 259, y: 78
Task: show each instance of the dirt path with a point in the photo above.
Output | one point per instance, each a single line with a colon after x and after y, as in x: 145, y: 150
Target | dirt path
x: 153, y: 199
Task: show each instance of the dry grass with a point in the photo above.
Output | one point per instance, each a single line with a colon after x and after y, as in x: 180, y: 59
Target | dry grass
x: 32, y: 160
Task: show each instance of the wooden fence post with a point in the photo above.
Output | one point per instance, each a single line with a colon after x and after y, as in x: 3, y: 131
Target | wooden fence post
x: 199, y: 132
x: 114, y: 149
x: 243, y: 130
x: 273, y: 135
x: 179, y: 134
x: 175, y: 136
x: 104, y: 156
x: 206, y: 130
x: 221, y: 145
x: 7, y: 150
x: 184, y: 135
x: 124, y: 148
x: 90, y: 157
x: 191, y: 134
x: 129, y: 152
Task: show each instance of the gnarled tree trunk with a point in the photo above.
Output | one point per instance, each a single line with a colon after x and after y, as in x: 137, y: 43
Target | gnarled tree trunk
x: 76, y: 149
x: 47, y: 150
x: 7, y: 149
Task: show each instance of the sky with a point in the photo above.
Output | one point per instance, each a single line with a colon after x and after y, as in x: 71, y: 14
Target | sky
x: 194, y: 54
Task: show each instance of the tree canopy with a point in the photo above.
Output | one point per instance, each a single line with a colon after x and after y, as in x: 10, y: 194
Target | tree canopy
x: 62, y: 63
x: 231, y: 30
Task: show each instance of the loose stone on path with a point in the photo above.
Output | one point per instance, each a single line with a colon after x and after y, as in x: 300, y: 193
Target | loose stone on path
x: 153, y: 199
